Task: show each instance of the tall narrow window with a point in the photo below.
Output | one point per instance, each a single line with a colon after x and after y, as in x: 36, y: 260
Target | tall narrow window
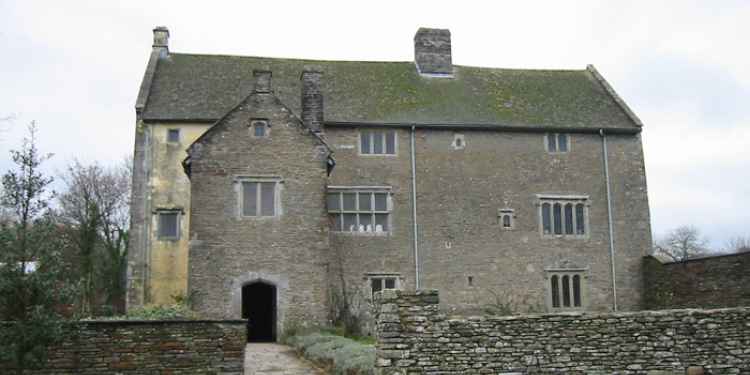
x: 259, y: 198
x: 557, y: 217
x: 546, y: 218
x: 555, y: 290
x: 359, y: 211
x: 569, y: 218
x: 169, y: 225
x: 566, y: 289
x: 563, y: 215
x: 377, y: 142
x: 580, y: 221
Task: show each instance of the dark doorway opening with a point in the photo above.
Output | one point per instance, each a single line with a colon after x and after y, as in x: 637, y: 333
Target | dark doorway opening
x: 259, y: 308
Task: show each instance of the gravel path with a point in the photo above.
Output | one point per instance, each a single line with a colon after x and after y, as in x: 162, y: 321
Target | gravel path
x: 275, y: 359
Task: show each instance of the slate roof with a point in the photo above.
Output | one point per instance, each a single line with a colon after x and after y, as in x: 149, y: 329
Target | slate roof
x: 193, y: 87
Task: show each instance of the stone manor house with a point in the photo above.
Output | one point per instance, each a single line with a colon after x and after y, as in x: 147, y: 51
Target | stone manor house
x: 267, y: 187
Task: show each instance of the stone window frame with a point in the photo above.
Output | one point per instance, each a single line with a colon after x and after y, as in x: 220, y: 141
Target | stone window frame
x: 571, y: 273
x: 178, y: 212
x: 278, y: 191
x: 508, y: 213
x: 262, y: 122
x: 387, y: 190
x: 569, y: 143
x: 382, y: 276
x: 563, y: 200
x: 385, y: 132
x: 170, y: 132
x: 459, y: 141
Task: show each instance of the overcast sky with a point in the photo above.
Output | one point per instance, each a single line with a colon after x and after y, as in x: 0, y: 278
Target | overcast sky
x: 682, y: 66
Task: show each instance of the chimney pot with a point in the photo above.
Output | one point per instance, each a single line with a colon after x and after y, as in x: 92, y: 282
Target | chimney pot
x: 161, y: 37
x: 312, y: 100
x: 432, y: 51
x: 262, y: 81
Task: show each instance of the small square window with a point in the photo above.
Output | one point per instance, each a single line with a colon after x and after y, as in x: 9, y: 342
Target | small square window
x: 258, y: 198
x: 557, y: 142
x: 378, y: 283
x: 173, y: 135
x: 505, y: 218
x: 169, y: 225
x: 259, y: 128
x: 377, y: 142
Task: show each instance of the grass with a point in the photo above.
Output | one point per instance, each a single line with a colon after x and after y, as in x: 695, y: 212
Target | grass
x: 341, y: 355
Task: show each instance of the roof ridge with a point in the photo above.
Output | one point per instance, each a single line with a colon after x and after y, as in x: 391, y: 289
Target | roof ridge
x: 290, y: 58
x: 370, y: 62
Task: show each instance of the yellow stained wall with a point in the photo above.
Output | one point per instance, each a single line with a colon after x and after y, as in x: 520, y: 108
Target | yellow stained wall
x: 169, y: 189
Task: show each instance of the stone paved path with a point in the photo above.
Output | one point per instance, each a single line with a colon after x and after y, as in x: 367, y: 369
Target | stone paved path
x: 275, y: 359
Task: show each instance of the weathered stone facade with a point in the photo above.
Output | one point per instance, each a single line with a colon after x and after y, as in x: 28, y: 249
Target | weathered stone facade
x: 415, y: 337
x: 148, y: 347
x: 289, y: 250
x: 710, y: 282
x: 468, y: 144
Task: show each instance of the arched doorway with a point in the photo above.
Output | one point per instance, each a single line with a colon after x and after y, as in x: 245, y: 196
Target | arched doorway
x: 259, y: 308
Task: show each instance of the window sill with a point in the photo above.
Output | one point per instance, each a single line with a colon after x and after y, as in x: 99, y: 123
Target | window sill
x: 565, y: 237
x: 362, y: 234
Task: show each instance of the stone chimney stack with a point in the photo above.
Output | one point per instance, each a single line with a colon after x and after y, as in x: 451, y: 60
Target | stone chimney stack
x: 312, y: 100
x: 262, y: 81
x: 161, y: 40
x: 432, y: 51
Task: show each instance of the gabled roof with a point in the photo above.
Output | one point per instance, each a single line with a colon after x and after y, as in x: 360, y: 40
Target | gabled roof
x: 190, y: 87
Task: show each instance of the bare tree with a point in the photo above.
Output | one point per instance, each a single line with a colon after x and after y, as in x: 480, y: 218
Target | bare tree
x: 738, y: 244
x: 681, y: 243
x: 96, y: 207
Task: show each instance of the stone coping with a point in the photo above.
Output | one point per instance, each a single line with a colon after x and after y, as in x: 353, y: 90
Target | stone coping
x: 155, y: 322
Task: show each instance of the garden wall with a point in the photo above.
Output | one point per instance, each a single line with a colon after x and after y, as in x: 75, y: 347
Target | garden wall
x: 413, y: 336
x: 717, y: 281
x: 149, y: 347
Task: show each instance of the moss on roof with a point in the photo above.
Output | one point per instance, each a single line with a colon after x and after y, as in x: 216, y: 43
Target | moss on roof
x: 205, y: 87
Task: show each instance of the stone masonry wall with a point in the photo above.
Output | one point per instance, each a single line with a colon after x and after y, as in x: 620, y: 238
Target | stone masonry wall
x: 414, y: 337
x: 149, y: 347
x: 720, y: 281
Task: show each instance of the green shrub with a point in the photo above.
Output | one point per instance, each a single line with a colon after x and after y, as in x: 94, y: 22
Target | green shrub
x: 341, y: 354
x: 156, y: 312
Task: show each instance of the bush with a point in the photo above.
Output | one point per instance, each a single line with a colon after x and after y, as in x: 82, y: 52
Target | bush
x: 156, y: 312
x: 342, y: 355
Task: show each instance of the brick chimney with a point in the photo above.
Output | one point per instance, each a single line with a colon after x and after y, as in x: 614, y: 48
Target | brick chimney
x: 262, y: 81
x: 312, y: 100
x: 161, y: 40
x: 432, y: 51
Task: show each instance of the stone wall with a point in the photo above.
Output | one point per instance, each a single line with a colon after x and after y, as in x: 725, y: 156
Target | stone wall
x: 149, y: 347
x: 413, y: 336
x: 719, y: 281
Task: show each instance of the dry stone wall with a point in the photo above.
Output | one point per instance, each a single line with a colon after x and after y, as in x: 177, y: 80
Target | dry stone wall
x: 414, y: 337
x: 148, y: 347
x: 718, y: 281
